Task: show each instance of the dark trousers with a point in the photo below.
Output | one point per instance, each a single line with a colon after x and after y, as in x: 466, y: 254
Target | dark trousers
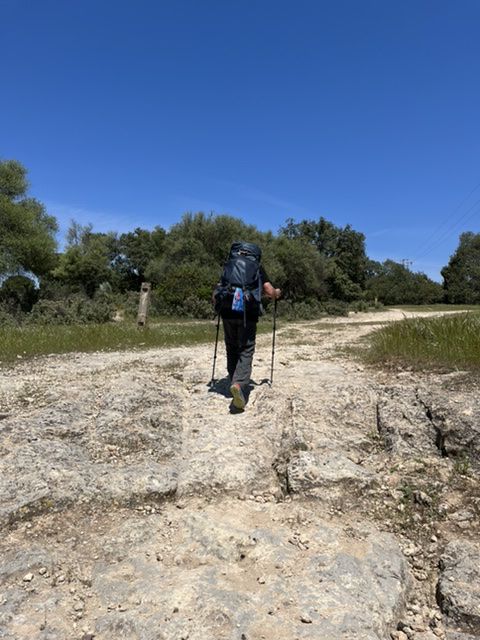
x: 240, y: 345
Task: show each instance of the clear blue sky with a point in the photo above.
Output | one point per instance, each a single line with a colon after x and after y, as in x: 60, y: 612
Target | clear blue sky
x: 365, y: 112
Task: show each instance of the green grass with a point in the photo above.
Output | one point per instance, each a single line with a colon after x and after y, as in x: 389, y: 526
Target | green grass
x: 31, y: 341
x: 451, y: 342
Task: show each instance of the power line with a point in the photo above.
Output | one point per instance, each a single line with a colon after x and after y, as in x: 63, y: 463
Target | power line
x: 445, y: 234
x: 431, y: 240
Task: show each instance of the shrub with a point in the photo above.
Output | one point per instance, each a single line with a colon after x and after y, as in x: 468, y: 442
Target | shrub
x: 193, y: 307
x: 335, y: 308
x: 359, y: 305
x: 305, y: 310
x: 8, y: 319
x: 75, y: 309
x: 18, y: 294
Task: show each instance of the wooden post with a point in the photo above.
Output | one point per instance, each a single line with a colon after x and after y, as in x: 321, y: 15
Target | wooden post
x: 143, y: 305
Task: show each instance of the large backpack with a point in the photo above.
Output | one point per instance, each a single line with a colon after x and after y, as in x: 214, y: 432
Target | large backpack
x: 241, y: 270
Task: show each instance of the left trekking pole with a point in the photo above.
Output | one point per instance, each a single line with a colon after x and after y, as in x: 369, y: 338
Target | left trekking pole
x: 273, y: 339
x: 215, y: 352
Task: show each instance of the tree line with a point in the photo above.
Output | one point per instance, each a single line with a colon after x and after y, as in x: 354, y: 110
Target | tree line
x: 319, y: 266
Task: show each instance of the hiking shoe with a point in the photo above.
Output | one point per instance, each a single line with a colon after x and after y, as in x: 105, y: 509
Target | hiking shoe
x: 238, y: 397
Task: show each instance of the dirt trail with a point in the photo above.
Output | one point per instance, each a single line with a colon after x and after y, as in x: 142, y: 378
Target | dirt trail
x: 135, y: 505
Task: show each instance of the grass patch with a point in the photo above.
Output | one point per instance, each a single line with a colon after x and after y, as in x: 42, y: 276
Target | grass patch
x: 30, y: 341
x: 451, y: 342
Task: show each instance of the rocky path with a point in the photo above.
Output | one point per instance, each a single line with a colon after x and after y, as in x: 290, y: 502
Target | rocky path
x: 342, y: 504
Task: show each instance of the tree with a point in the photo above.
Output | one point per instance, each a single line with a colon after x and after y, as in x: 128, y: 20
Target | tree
x: 18, y: 293
x: 298, y: 270
x: 27, y: 232
x: 136, y: 250
x: 461, y: 277
x: 344, y: 249
x: 87, y: 261
x: 392, y: 283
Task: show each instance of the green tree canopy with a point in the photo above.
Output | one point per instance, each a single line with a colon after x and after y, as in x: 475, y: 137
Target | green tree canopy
x: 136, y: 250
x: 392, y: 283
x: 87, y: 261
x: 343, y: 248
x: 461, y: 277
x: 27, y: 232
x: 298, y: 269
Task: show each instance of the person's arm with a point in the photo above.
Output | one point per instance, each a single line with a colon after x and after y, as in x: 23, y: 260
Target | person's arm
x: 270, y: 291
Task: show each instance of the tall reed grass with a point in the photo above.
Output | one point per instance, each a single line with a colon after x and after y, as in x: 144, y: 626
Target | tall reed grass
x: 451, y: 342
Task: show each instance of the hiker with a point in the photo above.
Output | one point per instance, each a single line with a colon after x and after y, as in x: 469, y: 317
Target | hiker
x: 237, y: 298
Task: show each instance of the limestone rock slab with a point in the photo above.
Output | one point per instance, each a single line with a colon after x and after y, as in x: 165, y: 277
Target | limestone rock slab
x: 459, y: 585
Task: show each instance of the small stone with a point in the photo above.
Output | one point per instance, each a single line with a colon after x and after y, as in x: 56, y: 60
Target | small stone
x: 28, y: 577
x: 42, y: 571
x: 261, y: 580
x: 78, y: 606
x: 421, y: 575
x: 306, y: 618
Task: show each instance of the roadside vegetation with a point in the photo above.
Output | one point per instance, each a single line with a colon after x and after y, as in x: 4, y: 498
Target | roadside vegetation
x: 30, y: 340
x: 17, y: 343
x: 448, y: 342
x: 322, y: 269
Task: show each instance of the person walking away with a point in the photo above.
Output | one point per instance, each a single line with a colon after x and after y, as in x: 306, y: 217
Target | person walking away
x: 237, y: 298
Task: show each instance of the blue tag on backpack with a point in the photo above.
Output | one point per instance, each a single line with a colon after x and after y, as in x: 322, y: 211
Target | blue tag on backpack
x: 237, y: 303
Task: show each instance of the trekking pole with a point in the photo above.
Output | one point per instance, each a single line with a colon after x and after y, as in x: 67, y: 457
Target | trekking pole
x: 215, y: 352
x: 273, y: 339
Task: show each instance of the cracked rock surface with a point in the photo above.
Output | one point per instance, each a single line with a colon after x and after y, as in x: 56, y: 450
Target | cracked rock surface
x: 343, y: 503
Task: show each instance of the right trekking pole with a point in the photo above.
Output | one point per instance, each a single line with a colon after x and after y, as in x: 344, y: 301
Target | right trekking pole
x: 215, y: 352
x: 273, y: 339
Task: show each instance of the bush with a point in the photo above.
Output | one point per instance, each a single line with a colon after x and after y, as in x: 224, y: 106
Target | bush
x: 128, y: 304
x: 307, y: 310
x: 8, y: 319
x: 193, y: 307
x: 18, y: 294
x: 75, y: 309
x: 359, y: 306
x: 335, y: 308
